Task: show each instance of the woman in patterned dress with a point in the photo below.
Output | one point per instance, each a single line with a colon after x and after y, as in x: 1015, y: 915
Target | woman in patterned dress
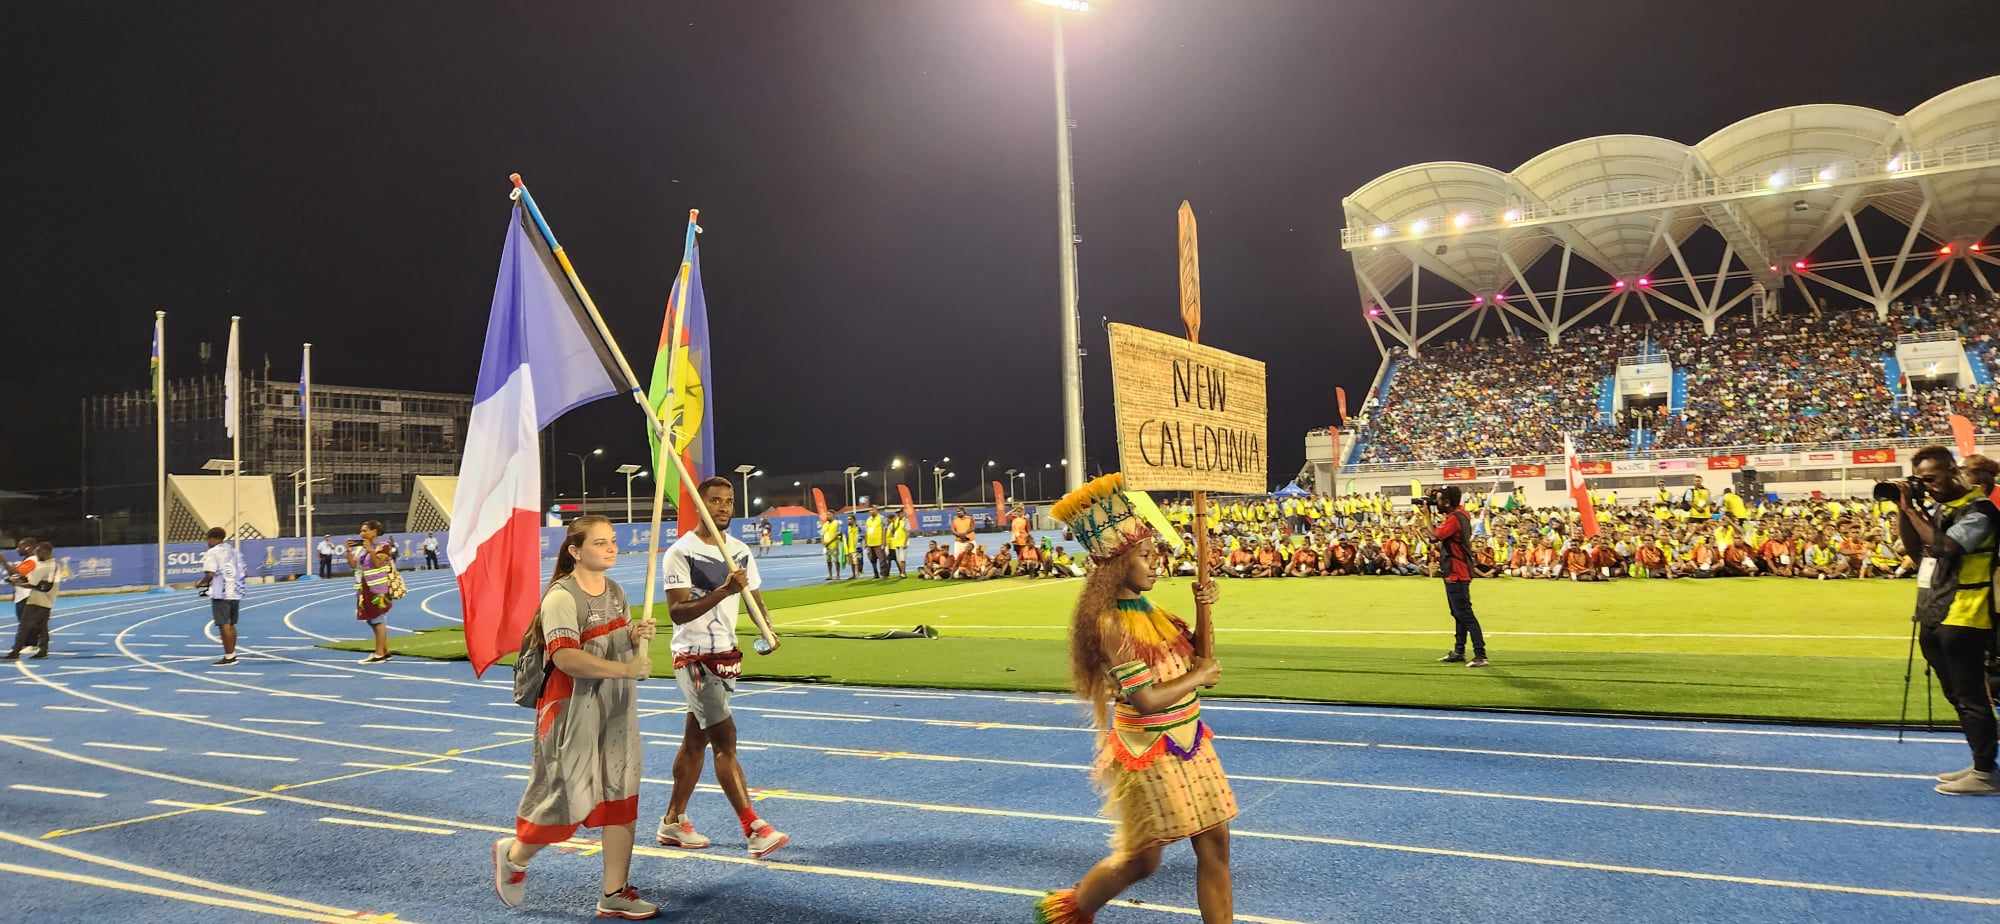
x: 586, y: 749
x: 373, y: 559
x: 1133, y: 663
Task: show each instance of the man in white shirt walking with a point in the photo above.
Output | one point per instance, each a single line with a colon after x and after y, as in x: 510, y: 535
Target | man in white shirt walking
x: 326, y: 552
x: 222, y: 583
x: 36, y: 581
x: 703, y: 600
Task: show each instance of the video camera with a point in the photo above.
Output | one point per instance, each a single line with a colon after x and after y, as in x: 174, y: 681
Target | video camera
x: 1438, y: 499
x: 1887, y: 490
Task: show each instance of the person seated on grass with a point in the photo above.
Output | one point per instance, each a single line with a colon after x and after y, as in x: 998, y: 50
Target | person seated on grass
x: 1269, y: 562
x: 1486, y: 559
x: 1775, y: 556
x: 1421, y: 558
x: 970, y: 566
x: 1305, y: 562
x: 1548, y: 561
x: 1649, y: 560
x: 1821, y: 562
x: 1608, y: 562
x: 1240, y: 561
x: 1576, y: 562
x: 1396, y: 555
x: 1343, y: 556
x: 1704, y: 560
x: 937, y: 563
x: 1002, y: 563
x: 1853, y: 551
x: 1062, y: 565
x: 1030, y: 563
x: 1521, y: 561
x: 1739, y: 560
x: 1883, y: 561
x: 1369, y: 554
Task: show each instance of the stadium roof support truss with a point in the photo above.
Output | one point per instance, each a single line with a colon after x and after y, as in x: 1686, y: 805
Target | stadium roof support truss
x: 1774, y: 187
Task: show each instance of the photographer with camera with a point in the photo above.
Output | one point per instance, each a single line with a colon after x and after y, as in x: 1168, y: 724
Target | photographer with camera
x: 1954, y: 612
x: 1453, y: 536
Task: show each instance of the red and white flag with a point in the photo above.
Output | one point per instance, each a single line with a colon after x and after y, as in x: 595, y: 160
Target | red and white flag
x: 1579, y: 493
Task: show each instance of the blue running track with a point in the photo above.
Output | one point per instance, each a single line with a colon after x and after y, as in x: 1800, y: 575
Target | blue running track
x: 143, y: 783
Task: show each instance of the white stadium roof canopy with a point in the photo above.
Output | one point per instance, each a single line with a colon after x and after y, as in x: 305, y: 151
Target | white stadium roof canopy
x: 1774, y: 187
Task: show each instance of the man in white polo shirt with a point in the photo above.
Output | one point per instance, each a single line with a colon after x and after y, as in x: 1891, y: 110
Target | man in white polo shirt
x: 704, y: 599
x: 222, y: 583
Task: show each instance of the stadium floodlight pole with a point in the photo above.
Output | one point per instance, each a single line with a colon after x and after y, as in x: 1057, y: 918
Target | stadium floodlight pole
x: 628, y: 470
x: 659, y: 428
x: 1072, y: 357
x: 235, y: 386
x: 847, y: 478
x: 100, y: 526
x: 306, y: 418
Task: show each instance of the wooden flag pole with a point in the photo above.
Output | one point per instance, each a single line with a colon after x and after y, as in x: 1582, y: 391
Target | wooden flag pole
x: 1190, y: 258
x: 757, y: 614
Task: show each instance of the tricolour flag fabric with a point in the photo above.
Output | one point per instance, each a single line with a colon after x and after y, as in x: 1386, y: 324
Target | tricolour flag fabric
x: 543, y: 356
x: 1579, y: 492
x: 1962, y: 436
x: 678, y: 392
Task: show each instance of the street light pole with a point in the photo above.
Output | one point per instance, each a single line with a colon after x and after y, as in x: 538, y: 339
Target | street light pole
x: 628, y: 470
x: 583, y: 474
x: 896, y: 463
x: 748, y: 472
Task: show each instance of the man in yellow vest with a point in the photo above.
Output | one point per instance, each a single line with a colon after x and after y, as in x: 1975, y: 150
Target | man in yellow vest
x: 876, y: 532
x: 1954, y: 612
x: 899, y: 539
x: 829, y: 536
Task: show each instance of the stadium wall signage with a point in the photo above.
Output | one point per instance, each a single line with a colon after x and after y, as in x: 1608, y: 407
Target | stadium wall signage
x: 1528, y: 471
x: 1190, y: 417
x: 1461, y: 473
x: 1728, y: 463
x: 1874, y: 456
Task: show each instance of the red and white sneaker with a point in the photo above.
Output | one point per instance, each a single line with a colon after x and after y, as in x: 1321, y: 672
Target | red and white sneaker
x: 680, y: 832
x: 766, y: 840
x: 509, y: 881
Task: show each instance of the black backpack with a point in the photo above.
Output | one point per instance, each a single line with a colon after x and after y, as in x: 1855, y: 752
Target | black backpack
x: 531, y: 665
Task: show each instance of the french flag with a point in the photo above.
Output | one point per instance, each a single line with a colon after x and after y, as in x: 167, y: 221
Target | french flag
x: 543, y: 356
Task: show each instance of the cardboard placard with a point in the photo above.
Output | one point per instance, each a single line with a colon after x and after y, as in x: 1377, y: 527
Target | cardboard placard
x: 1190, y: 417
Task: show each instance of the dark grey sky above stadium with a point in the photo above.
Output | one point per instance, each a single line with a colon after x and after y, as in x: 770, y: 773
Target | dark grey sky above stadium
x: 876, y: 182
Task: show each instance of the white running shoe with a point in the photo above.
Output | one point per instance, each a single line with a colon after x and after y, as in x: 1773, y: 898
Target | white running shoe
x: 765, y: 840
x: 680, y: 832
x: 626, y: 903
x: 509, y: 881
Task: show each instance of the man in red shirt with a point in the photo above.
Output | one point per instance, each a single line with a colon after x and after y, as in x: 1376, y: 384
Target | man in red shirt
x: 1453, y: 535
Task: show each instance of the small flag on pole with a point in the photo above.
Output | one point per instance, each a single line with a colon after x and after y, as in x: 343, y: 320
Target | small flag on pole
x: 305, y: 380
x: 543, y: 356
x: 1579, y: 492
x: 153, y: 364
x: 1961, y: 434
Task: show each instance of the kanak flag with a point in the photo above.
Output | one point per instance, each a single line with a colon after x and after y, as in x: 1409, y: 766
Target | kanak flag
x: 1579, y: 493
x: 543, y: 356
x: 678, y: 393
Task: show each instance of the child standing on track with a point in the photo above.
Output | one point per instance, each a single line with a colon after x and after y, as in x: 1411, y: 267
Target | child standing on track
x: 1133, y: 663
x: 587, y: 756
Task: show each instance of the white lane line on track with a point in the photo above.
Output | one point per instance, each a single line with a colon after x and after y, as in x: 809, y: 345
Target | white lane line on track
x: 75, y: 709
x: 123, y: 747
x: 204, y: 807
x: 409, y: 728
x: 326, y: 676
x: 274, y: 758
x: 208, y: 691
x: 263, y: 721
x: 57, y: 791
x: 123, y: 687
x: 375, y: 766
x: 406, y: 699
x: 359, y: 823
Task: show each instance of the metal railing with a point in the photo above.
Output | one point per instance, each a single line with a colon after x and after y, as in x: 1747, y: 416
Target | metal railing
x: 1934, y: 336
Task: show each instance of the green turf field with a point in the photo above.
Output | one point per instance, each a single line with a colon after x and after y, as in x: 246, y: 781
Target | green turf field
x: 1763, y: 648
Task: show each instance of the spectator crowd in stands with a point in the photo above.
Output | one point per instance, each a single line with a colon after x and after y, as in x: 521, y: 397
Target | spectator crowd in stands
x: 1783, y: 379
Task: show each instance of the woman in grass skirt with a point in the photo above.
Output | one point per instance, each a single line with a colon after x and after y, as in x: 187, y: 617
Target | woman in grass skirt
x: 1134, y: 664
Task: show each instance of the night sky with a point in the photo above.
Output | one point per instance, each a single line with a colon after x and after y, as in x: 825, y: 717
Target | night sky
x: 876, y: 180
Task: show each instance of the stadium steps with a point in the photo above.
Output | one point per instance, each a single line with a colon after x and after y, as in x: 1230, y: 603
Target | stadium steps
x: 1980, y: 363
x: 1677, y: 397
x: 1606, y: 392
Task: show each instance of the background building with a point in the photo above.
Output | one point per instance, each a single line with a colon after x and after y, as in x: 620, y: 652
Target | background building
x: 369, y: 445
